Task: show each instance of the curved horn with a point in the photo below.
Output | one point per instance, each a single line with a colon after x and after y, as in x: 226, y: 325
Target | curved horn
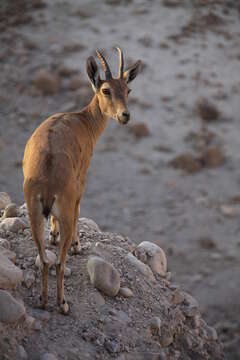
x: 105, y: 66
x: 121, y: 63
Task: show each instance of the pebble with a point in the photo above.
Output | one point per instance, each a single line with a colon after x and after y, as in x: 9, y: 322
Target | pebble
x: 10, y: 275
x: 103, y: 275
x: 29, y: 278
x: 11, y: 311
x: 152, y: 255
x: 4, y: 200
x: 21, y: 353
x: 41, y: 315
x: 190, y: 310
x: 210, y: 332
x: 11, y: 210
x: 125, y: 292
x: 177, y: 297
x: 13, y: 224
x: 4, y: 243
x: 229, y: 211
x: 51, y: 257
x: 67, y: 272
x: 155, y: 325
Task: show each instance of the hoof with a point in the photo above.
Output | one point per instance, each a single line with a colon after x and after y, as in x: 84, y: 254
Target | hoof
x: 64, y: 308
x: 42, y: 305
x: 76, y: 249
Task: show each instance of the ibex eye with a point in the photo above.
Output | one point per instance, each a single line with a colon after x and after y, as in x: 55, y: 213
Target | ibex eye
x: 106, y: 91
x: 129, y: 90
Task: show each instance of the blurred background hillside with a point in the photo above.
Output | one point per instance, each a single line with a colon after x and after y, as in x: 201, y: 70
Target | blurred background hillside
x: 172, y: 176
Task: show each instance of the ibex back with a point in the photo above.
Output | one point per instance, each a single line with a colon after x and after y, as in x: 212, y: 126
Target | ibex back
x: 56, y: 160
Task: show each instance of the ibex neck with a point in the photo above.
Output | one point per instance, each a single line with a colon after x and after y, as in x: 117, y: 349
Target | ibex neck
x: 96, y: 120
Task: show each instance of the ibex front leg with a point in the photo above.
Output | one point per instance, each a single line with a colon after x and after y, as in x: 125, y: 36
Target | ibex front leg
x: 76, y: 247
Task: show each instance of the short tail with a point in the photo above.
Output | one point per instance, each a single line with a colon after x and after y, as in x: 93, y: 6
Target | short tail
x: 47, y: 204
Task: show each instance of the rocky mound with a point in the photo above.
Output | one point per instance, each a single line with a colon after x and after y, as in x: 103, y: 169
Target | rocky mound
x: 123, y: 304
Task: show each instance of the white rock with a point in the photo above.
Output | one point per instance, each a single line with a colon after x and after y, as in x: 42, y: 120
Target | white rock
x: 4, y: 200
x: 51, y: 257
x: 140, y: 266
x: 152, y: 255
x: 13, y: 224
x: 103, y: 275
x: 11, y: 311
x: 10, y: 275
x: 89, y: 224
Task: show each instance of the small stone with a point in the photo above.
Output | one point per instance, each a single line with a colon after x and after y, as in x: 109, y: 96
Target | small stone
x: 41, y: 315
x: 97, y: 299
x: 140, y: 266
x: 125, y: 292
x: 103, y: 275
x: 11, y: 210
x: 210, y: 332
x: 190, y: 310
x: 67, y: 272
x: 11, y: 311
x: 29, y: 321
x: 4, y: 200
x: 177, y: 297
x: 207, y: 243
x: 196, y: 321
x: 112, y: 346
x: 215, y: 256
x: 29, y: 278
x: 166, y: 338
x: 47, y: 82
x: 12, y: 225
x: 5, y: 244
x: 51, y: 257
x: 48, y: 356
x: 155, y: 325
x: 8, y: 253
x: 10, y: 275
x: 152, y: 255
x: 89, y: 224
x: 21, y: 353
x: 213, y: 157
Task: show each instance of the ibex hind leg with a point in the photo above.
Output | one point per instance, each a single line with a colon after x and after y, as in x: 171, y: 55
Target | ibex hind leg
x: 37, y: 227
x: 66, y: 223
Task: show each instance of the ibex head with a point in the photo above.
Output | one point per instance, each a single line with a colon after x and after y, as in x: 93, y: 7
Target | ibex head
x: 112, y: 92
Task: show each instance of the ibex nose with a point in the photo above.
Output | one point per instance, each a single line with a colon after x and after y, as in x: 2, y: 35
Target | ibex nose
x: 124, y: 117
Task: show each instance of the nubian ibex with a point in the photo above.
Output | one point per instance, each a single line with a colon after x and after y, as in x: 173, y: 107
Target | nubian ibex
x: 56, y: 160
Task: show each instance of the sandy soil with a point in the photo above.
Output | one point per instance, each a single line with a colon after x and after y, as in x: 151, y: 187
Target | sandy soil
x: 190, y: 50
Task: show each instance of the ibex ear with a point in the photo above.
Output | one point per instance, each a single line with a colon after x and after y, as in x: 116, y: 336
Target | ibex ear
x: 130, y: 74
x: 93, y: 74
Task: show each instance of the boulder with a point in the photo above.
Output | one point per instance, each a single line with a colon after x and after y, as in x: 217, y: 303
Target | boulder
x: 4, y: 200
x: 152, y: 255
x: 11, y: 311
x: 10, y: 275
x: 13, y: 224
x: 103, y: 275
